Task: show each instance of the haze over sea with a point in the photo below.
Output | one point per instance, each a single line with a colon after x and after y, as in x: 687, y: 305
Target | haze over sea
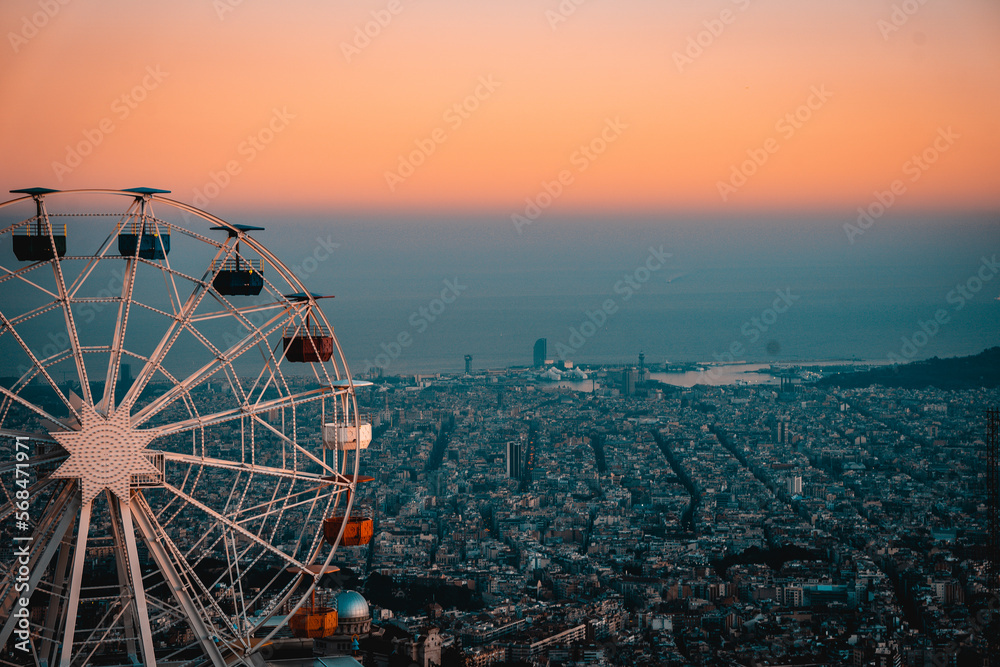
x: 844, y: 300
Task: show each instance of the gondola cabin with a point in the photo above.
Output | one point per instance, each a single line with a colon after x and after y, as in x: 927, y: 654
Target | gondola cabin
x: 310, y: 341
x: 313, y: 622
x: 358, y: 532
x: 238, y: 276
x: 358, y: 529
x: 347, y: 437
x: 37, y: 241
x: 146, y: 246
x: 142, y: 236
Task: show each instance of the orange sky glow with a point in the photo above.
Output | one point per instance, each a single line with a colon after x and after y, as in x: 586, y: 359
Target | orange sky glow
x: 636, y: 104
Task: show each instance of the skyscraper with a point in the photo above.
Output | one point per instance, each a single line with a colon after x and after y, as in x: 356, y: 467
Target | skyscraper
x: 514, y: 459
x: 628, y: 381
x: 541, y: 349
x: 795, y: 486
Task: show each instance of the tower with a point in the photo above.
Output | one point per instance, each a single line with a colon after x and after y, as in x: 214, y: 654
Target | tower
x: 628, y: 382
x: 468, y: 364
x: 642, y: 367
x: 514, y: 460
x: 541, y: 350
x: 795, y: 486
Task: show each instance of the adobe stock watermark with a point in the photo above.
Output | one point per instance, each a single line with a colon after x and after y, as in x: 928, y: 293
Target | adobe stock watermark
x: 957, y: 298
x: 562, y: 12
x: 247, y: 150
x: 787, y: 127
x: 223, y: 7
x: 914, y: 169
x: 455, y: 116
x: 630, y: 284
x: 420, y: 320
x: 32, y: 24
x: 899, y: 16
x: 580, y: 160
x: 21, y: 547
x: 753, y: 329
x: 322, y: 250
x: 366, y: 32
x: 696, y: 44
x: 121, y: 108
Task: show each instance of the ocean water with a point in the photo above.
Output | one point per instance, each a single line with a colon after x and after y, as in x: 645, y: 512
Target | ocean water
x: 601, y: 292
x: 415, y: 294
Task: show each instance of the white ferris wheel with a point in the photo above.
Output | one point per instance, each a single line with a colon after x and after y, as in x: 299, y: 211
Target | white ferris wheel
x: 180, y: 430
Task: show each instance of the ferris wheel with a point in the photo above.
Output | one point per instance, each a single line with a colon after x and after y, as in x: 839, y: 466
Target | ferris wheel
x: 180, y: 430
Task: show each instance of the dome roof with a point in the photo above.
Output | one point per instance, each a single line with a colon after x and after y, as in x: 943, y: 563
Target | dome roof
x: 351, y: 605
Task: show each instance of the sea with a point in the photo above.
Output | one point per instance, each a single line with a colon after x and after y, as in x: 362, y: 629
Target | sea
x: 417, y: 296
x: 414, y: 293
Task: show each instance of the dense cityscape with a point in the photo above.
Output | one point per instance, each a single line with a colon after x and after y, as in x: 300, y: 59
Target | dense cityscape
x: 523, y: 521
x: 565, y: 516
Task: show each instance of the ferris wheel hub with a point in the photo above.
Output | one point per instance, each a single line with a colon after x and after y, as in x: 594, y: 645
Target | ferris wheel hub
x: 105, y: 453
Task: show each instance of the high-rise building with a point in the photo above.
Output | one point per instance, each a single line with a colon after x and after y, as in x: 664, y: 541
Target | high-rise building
x: 629, y: 376
x: 781, y: 435
x: 468, y: 364
x: 795, y: 486
x: 541, y: 349
x: 514, y: 460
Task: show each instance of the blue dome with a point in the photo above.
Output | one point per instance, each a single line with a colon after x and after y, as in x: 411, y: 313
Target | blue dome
x: 352, y: 606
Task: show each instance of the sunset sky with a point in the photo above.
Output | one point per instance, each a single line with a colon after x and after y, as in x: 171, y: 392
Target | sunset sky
x: 306, y: 113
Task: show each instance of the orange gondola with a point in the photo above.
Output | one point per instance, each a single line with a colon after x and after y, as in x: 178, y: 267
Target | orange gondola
x: 359, y: 529
x: 358, y: 532
x: 313, y: 622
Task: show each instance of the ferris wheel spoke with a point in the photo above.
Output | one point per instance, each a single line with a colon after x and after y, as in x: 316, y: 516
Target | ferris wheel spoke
x: 253, y: 469
x: 40, y: 485
x: 124, y: 306
x: 138, y: 590
x: 156, y: 541
x: 275, y: 508
x: 124, y: 576
x: 76, y: 579
x: 296, y: 447
x: 51, y: 531
x: 35, y: 461
x: 290, y: 500
x: 94, y: 260
x: 57, y: 598
x: 93, y: 640
x: 235, y: 413
x: 222, y: 361
x: 180, y: 323
x: 26, y: 435
x: 20, y: 274
x: 34, y: 408
x: 37, y: 364
x: 235, y: 527
x: 242, y: 312
x: 71, y: 331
